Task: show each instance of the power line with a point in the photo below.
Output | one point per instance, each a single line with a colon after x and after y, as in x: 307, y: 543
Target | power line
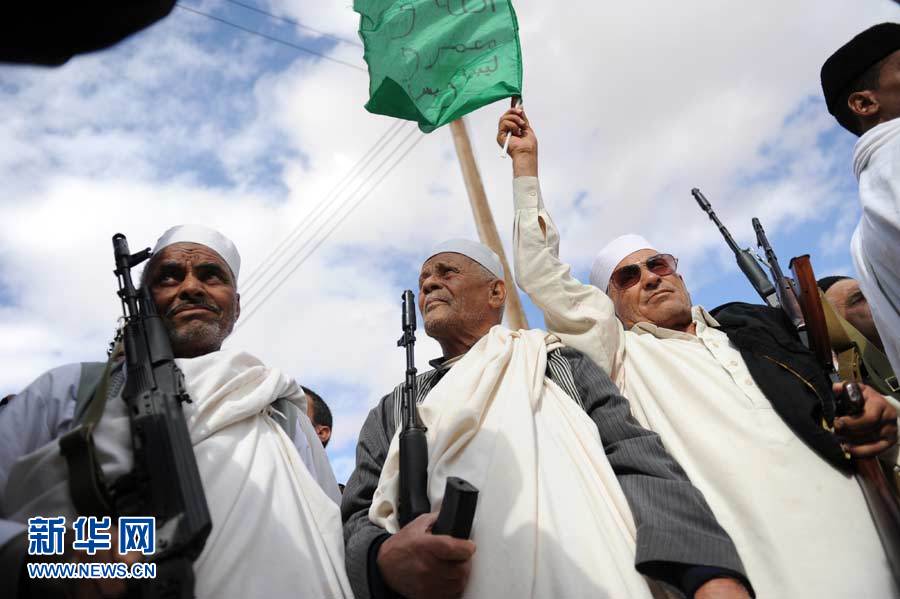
x: 269, y: 261
x: 271, y: 38
x: 331, y: 220
x: 338, y: 206
x: 260, y: 303
x: 296, y: 23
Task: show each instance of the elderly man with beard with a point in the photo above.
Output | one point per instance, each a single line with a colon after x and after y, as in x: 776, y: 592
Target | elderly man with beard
x: 272, y: 497
x: 518, y: 414
x: 734, y: 395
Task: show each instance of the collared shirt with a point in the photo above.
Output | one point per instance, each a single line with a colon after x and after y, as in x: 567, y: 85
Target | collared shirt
x: 710, y: 342
x: 792, y: 516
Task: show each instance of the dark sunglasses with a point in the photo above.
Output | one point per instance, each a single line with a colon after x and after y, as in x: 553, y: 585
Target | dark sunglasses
x: 630, y: 274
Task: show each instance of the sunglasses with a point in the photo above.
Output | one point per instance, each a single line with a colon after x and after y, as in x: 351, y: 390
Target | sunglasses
x: 630, y: 274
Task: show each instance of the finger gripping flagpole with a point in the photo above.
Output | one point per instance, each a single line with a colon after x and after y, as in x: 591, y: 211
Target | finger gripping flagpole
x: 517, y: 103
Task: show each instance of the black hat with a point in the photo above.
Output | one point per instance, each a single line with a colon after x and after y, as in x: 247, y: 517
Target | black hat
x: 852, y: 60
x: 825, y: 283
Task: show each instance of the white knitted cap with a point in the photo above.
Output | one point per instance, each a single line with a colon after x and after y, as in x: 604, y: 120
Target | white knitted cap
x: 203, y: 236
x: 610, y: 256
x: 478, y: 252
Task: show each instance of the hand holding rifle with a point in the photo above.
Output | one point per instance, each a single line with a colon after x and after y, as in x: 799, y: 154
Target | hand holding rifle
x: 431, y: 555
x: 863, y: 417
x: 873, y: 430
x: 418, y: 564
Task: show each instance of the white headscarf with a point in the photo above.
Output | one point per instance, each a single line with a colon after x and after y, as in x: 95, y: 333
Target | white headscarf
x: 478, y: 252
x: 610, y: 256
x: 203, y: 236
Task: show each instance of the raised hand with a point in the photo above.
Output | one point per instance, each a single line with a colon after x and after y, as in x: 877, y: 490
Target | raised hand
x: 522, y: 146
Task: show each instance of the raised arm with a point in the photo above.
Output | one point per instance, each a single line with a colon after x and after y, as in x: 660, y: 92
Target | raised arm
x: 581, y: 315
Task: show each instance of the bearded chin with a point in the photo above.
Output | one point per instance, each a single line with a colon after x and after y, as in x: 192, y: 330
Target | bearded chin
x: 436, y: 328
x: 196, y: 338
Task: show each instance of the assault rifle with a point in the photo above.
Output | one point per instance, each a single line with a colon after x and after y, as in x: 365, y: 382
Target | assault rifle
x: 745, y: 259
x: 875, y: 486
x: 784, y: 287
x: 460, y: 497
x: 165, y: 482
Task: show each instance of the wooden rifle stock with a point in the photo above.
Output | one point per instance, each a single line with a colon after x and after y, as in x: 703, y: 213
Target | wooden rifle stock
x: 875, y: 486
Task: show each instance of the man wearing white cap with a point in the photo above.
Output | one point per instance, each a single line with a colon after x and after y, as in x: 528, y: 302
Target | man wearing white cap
x: 736, y: 399
x: 575, y: 499
x: 270, y: 490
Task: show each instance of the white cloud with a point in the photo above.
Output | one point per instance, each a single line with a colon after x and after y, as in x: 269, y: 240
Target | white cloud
x: 634, y: 104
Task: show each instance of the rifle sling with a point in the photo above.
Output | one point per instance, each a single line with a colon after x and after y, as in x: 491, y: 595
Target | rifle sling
x: 845, y: 337
x: 87, y: 487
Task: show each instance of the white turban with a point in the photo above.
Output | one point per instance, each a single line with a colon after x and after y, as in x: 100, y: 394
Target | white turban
x: 203, y: 236
x: 610, y: 256
x: 478, y: 252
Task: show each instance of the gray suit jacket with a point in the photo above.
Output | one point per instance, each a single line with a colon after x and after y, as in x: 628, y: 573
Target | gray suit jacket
x: 679, y: 541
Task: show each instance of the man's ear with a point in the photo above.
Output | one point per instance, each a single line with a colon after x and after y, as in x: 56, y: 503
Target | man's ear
x: 237, y: 306
x: 324, y: 433
x: 864, y: 104
x: 498, y: 293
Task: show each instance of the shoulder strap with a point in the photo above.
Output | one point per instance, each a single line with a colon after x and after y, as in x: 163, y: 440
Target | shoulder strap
x: 87, y: 486
x: 91, y: 373
x: 845, y: 337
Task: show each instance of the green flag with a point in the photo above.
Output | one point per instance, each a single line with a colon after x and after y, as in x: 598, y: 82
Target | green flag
x: 433, y: 61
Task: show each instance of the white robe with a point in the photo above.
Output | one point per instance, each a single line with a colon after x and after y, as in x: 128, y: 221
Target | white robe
x: 552, y: 520
x: 876, y: 242
x: 801, y: 527
x: 275, y: 532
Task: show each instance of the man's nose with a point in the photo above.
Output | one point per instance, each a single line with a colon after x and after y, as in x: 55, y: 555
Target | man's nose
x: 430, y: 284
x: 650, y: 280
x: 192, y: 287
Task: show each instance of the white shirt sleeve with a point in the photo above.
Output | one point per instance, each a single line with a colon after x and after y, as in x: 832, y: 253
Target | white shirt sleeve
x: 42, y: 412
x: 581, y: 315
x: 38, y: 414
x: 313, y: 455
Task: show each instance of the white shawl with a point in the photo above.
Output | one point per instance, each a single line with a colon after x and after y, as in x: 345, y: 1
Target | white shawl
x: 552, y: 520
x: 876, y: 242
x: 275, y: 533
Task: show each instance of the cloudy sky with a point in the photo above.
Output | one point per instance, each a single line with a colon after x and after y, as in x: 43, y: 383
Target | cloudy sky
x: 194, y: 120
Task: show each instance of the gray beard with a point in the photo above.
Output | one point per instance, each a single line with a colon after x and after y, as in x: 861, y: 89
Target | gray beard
x: 196, y: 339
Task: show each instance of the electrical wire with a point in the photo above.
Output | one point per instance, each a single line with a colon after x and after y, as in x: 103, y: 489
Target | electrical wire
x: 354, y: 171
x: 333, y: 220
x: 296, y: 23
x: 359, y: 200
x: 271, y: 38
x: 338, y: 206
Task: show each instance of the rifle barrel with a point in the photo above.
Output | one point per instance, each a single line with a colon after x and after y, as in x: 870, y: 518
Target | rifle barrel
x: 707, y: 208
